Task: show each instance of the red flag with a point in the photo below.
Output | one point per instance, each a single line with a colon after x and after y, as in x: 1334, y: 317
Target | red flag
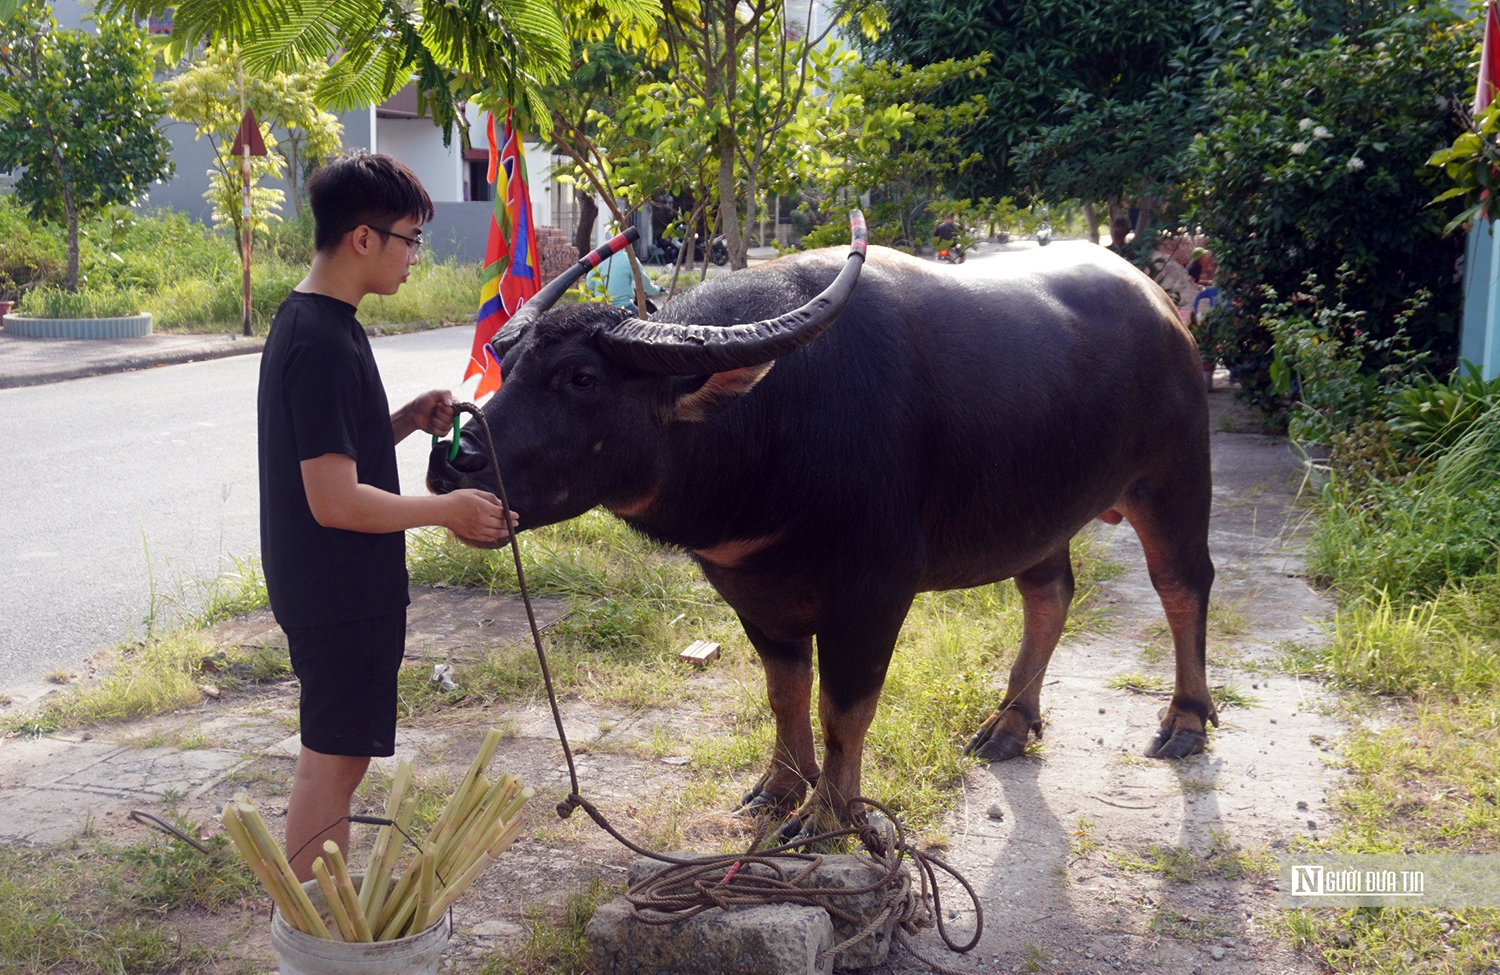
x: 1489, y: 61
x: 512, y: 266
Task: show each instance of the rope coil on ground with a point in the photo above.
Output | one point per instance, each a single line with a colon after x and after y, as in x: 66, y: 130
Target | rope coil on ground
x: 688, y: 886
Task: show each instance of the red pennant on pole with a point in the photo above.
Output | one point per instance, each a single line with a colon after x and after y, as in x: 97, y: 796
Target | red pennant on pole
x: 249, y: 134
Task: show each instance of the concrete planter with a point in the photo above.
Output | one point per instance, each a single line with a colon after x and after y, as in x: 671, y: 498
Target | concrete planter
x: 121, y: 327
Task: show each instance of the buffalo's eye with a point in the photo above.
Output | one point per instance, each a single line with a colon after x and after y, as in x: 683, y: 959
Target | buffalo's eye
x: 583, y: 381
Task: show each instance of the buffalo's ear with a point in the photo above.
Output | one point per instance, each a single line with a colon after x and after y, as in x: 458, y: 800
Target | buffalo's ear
x: 694, y: 401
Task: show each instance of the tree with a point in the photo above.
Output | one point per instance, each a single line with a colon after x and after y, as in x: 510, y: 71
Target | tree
x: 889, y: 136
x: 1093, y: 100
x: 83, y: 124
x: 297, y: 133
x: 750, y: 70
x: 452, y: 51
x: 1315, y: 163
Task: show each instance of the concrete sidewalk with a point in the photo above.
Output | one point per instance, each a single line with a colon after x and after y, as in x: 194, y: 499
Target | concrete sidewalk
x: 26, y: 361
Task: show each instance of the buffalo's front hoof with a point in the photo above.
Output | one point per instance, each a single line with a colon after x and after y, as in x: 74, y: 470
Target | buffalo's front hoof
x: 1176, y: 744
x: 763, y: 802
x: 804, y: 836
x: 990, y: 747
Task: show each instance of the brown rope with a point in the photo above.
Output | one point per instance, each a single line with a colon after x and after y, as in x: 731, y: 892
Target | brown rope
x: 688, y: 886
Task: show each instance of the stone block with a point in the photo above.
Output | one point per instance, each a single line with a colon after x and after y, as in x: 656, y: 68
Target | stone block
x: 843, y: 872
x: 771, y: 939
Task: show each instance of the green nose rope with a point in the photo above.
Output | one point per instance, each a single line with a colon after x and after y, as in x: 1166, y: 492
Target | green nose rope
x: 453, y: 448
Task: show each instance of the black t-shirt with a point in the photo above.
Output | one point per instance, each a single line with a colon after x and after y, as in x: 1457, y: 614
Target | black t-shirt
x: 320, y: 393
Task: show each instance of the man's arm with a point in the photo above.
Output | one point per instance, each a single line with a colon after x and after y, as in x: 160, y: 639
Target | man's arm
x: 338, y: 500
x: 432, y: 412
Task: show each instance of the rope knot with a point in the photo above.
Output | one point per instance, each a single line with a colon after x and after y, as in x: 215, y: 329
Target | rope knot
x: 566, y: 807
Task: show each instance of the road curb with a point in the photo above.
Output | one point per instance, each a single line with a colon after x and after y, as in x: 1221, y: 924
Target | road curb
x: 131, y: 363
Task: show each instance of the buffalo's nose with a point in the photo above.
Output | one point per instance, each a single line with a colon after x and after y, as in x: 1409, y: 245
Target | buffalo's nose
x: 470, y: 462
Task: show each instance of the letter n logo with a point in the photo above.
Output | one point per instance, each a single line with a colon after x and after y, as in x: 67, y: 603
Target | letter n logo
x: 1307, y: 881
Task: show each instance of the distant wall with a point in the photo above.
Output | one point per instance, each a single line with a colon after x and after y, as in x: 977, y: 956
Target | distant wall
x: 419, y: 144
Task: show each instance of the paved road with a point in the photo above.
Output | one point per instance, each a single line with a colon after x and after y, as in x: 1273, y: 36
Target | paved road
x: 97, y: 473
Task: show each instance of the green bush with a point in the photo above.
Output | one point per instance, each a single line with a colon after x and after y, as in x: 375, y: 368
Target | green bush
x: 189, y: 276
x: 1316, y: 160
x: 100, y: 302
x: 32, y: 253
x: 1407, y: 539
x: 1328, y: 359
x: 1433, y: 415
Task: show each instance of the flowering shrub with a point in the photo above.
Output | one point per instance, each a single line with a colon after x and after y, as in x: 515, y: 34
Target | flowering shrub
x: 1327, y: 360
x: 1317, y: 161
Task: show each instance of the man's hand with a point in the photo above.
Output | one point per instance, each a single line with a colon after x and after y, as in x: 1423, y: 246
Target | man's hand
x: 433, y: 412
x: 477, y: 516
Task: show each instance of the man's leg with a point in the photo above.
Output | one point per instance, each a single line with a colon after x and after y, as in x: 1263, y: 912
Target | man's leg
x: 321, y: 792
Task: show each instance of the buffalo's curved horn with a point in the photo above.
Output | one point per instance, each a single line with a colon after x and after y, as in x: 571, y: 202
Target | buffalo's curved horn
x: 512, y: 331
x: 671, y: 349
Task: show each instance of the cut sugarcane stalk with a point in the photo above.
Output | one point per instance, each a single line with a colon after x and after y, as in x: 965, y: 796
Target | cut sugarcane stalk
x: 269, y: 878
x: 335, y: 900
x: 473, y: 835
x: 398, y: 902
x: 269, y: 849
x: 382, y: 883
x: 423, y: 914
x: 502, y: 841
x: 340, y: 871
x: 377, y: 874
x: 472, y: 776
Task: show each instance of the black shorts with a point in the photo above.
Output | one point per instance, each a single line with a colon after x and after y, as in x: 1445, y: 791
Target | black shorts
x: 348, y: 675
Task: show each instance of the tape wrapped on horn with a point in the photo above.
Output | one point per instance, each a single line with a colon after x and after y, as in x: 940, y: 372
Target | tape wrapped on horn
x: 515, y: 329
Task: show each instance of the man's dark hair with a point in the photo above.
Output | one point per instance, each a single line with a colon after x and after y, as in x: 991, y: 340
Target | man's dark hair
x: 363, y: 188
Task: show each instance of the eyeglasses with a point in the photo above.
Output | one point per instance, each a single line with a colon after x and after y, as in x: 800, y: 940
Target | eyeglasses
x: 413, y: 244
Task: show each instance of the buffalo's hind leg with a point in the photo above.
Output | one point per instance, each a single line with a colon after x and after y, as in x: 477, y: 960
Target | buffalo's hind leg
x: 794, y: 758
x: 1046, y: 593
x: 1171, y: 520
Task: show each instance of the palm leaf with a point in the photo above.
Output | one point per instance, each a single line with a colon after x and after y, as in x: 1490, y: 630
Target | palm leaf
x: 356, y: 81
x: 310, y: 34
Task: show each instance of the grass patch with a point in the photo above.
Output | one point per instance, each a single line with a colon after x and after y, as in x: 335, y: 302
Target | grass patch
x: 88, y: 906
x: 1140, y: 683
x: 163, y: 674
x: 1182, y: 865
x: 1448, y: 643
x: 554, y: 945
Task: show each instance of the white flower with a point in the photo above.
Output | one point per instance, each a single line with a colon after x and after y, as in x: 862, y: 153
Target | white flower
x: 1304, y: 125
x: 1322, y: 133
x: 1298, y: 148
x: 1355, y: 164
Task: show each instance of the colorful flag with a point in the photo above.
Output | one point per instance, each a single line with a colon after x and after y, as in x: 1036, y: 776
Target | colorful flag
x: 1489, y: 62
x: 512, y: 266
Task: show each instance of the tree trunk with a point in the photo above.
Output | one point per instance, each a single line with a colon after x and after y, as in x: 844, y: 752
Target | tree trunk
x: 588, y: 214
x: 729, y: 215
x: 1091, y: 221
x: 71, y: 281
x: 293, y: 185
x: 1147, y: 207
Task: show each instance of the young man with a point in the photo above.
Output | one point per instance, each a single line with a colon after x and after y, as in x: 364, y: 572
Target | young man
x: 332, y: 517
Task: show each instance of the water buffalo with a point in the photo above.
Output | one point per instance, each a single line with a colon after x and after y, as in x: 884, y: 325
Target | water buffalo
x: 954, y: 427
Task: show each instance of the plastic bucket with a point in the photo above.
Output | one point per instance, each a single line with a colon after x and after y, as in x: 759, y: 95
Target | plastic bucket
x: 303, y: 954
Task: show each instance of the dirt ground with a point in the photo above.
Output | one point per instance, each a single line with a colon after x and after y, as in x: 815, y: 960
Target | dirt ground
x: 1088, y: 857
